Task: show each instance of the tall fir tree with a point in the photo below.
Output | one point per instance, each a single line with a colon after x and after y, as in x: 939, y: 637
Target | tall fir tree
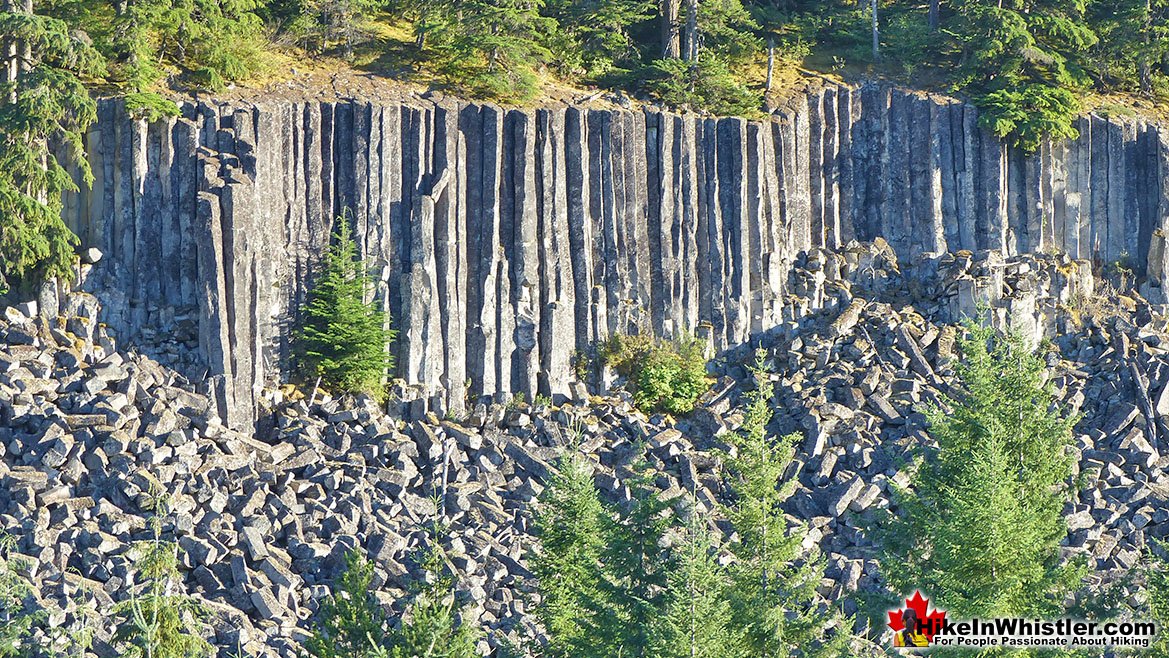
x: 981, y: 522
x: 771, y: 592
x: 697, y: 621
x: 636, y: 568
x: 594, y: 37
x: 43, y: 101
x: 1022, y: 63
x: 343, y: 338
x: 570, y: 526
x: 493, y: 47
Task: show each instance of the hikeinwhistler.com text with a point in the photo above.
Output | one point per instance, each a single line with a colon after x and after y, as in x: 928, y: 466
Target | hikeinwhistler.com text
x: 1018, y: 632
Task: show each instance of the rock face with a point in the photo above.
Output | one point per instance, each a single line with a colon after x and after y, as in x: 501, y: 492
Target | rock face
x: 88, y: 431
x: 505, y: 241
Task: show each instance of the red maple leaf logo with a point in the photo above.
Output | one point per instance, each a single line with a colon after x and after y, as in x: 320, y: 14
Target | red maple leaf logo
x: 931, y: 621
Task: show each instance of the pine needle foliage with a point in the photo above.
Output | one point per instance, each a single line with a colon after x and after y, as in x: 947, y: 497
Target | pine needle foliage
x: 1156, y: 571
x: 981, y: 521
x: 1022, y: 65
x: 434, y: 629
x: 46, y: 103
x: 16, y: 619
x: 697, y: 622
x: 771, y: 591
x: 353, y: 625
x: 570, y: 526
x: 160, y: 620
x: 636, y: 566
x: 344, y: 339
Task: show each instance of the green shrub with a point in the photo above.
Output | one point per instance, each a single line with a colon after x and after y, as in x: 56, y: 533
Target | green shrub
x: 665, y: 375
x: 343, y: 339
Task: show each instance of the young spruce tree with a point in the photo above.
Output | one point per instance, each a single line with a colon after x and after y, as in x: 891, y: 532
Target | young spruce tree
x: 770, y: 594
x: 343, y: 339
x: 160, y: 620
x: 636, y: 567
x: 353, y: 625
x: 980, y: 523
x: 697, y: 620
x: 570, y: 526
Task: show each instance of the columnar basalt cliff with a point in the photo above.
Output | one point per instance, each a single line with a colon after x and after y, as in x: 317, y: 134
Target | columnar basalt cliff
x: 507, y: 241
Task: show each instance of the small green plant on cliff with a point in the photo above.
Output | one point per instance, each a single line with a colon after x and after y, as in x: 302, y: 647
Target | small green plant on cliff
x: 159, y: 620
x: 343, y: 339
x: 665, y: 375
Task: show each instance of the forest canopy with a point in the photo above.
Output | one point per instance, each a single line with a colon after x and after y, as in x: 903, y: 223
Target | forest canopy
x: 1026, y: 63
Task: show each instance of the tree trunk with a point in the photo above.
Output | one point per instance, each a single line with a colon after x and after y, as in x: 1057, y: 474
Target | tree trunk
x: 876, y: 35
x: 692, y: 30
x: 1146, y: 70
x: 668, y: 13
x: 935, y: 9
x: 770, y: 60
x: 9, y: 49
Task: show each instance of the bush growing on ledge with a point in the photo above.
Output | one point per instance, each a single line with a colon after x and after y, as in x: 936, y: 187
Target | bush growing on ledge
x: 665, y: 375
x: 343, y: 339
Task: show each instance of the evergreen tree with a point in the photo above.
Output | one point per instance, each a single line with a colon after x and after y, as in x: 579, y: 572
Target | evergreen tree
x: 569, y: 525
x: 708, y: 78
x: 1021, y: 62
x: 770, y: 594
x: 980, y: 524
x: 42, y: 101
x: 16, y: 619
x: 595, y: 36
x: 352, y: 624
x: 636, y: 567
x: 1133, y: 42
x: 319, y: 24
x: 697, y: 621
x: 343, y: 339
x: 160, y: 620
x: 1157, y: 597
x: 147, y: 41
x: 492, y: 47
x: 433, y: 629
